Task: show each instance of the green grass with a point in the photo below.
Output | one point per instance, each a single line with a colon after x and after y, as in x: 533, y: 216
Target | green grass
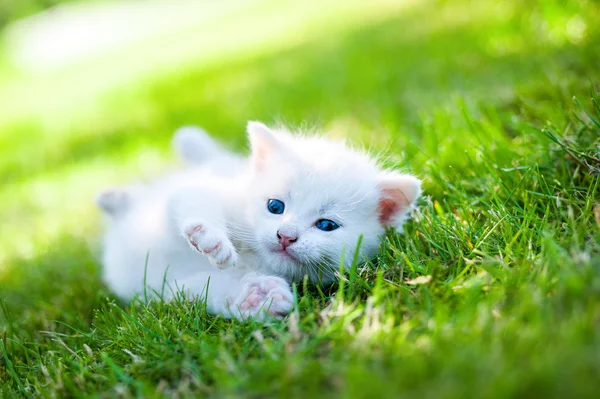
x: 477, y: 98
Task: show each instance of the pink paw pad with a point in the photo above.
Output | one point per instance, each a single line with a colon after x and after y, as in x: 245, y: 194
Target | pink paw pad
x: 224, y: 261
x: 191, y: 234
x: 272, y: 284
x: 277, y: 297
x: 211, y: 249
x: 265, y: 297
x: 194, y: 229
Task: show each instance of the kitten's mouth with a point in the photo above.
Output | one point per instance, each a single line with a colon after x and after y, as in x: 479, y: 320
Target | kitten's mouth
x: 284, y: 253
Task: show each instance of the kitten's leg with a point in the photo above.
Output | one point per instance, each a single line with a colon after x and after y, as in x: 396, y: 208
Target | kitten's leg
x: 199, y: 219
x: 236, y: 295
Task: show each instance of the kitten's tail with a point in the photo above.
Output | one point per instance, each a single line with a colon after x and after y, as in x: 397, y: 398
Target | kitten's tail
x: 194, y: 145
x: 114, y: 201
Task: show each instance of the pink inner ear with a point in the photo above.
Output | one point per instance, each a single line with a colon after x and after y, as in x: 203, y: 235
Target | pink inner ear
x: 259, y: 157
x: 393, y: 201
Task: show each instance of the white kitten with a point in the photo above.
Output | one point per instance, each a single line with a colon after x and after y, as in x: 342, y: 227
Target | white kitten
x: 247, y: 227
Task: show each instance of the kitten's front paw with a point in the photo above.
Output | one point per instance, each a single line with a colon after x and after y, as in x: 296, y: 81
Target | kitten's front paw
x: 262, y: 297
x: 213, y: 243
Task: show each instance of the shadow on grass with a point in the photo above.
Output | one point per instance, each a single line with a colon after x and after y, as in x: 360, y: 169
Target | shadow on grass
x: 60, y: 284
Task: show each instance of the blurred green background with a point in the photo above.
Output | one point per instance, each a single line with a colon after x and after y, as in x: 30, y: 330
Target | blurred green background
x: 11, y: 10
x: 455, y: 91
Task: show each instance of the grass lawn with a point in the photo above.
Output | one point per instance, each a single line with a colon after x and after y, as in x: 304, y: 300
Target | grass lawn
x: 494, y: 289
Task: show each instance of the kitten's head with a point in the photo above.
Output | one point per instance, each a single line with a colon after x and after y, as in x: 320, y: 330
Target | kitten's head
x: 311, y: 199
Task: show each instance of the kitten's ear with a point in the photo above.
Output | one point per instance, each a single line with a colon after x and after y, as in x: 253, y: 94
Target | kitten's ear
x: 398, y: 194
x: 263, y: 141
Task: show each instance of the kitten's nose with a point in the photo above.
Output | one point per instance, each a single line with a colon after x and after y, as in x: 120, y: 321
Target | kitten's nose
x: 286, y: 240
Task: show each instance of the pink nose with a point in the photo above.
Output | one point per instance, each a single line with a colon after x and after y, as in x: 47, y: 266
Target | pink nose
x: 286, y: 241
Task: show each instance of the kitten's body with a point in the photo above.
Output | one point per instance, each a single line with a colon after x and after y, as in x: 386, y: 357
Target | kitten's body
x: 210, y: 222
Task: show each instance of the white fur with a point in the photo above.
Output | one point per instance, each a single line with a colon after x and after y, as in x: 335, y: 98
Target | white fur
x: 209, y: 226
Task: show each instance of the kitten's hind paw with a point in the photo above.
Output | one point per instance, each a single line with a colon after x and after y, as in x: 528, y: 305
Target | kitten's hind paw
x: 213, y: 243
x: 262, y: 297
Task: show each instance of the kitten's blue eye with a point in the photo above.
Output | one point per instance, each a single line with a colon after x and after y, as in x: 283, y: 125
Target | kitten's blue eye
x: 275, y: 206
x: 326, y: 225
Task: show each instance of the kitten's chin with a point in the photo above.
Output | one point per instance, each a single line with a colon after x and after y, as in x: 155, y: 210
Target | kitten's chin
x: 294, y: 268
x: 287, y: 261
